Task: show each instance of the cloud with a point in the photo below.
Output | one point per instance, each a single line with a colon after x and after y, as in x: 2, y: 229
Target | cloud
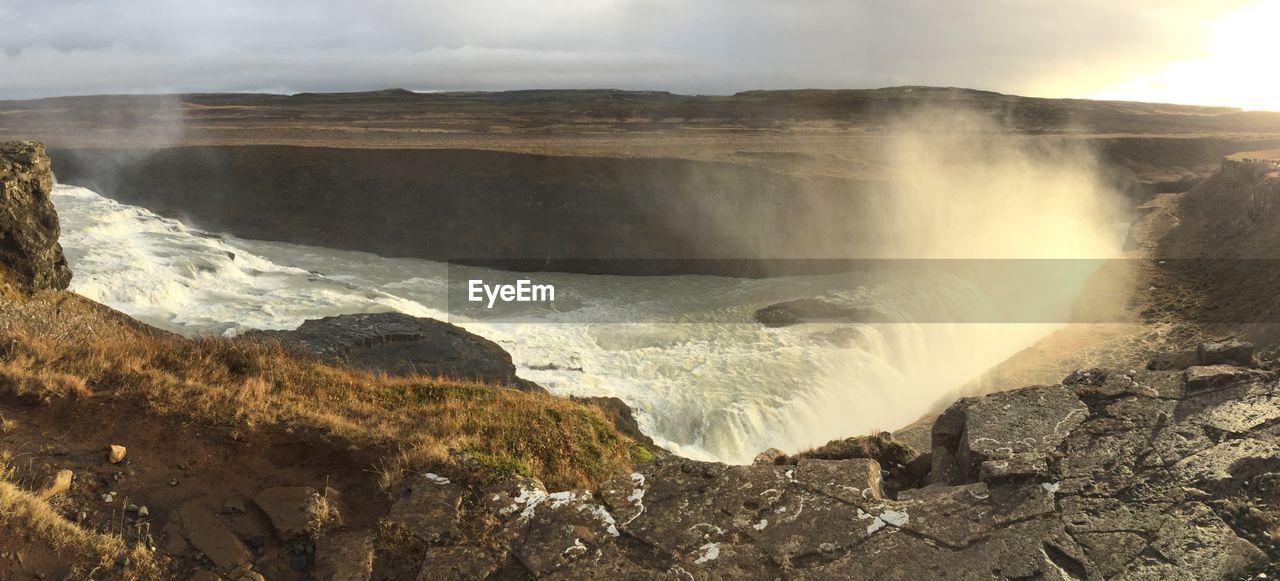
x: 698, y: 46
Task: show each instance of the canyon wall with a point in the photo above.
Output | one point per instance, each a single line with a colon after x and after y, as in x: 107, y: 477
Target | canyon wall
x: 484, y: 205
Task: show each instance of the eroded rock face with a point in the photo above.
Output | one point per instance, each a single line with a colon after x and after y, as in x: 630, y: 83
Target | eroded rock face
x: 30, y: 257
x: 399, y: 344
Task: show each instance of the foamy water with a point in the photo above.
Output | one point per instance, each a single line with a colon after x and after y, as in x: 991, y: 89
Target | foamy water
x: 703, y: 387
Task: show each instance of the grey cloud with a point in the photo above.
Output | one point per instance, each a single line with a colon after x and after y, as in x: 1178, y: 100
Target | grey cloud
x: 700, y: 46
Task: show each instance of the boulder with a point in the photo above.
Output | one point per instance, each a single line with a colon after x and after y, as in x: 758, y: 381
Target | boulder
x: 769, y: 457
x: 815, y: 311
x: 399, y: 344
x: 30, y: 257
x: 1226, y: 352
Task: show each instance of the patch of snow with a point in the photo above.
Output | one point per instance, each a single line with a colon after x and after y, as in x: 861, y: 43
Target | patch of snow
x: 576, y: 546
x: 764, y: 522
x: 896, y: 518
x: 602, y: 514
x: 875, y: 526
x: 710, y: 552
x: 1050, y: 487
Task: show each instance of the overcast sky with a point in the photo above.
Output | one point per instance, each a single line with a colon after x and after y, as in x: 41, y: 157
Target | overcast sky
x: 1081, y: 48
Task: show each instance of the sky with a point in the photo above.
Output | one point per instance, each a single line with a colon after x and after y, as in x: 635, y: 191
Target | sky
x: 1201, y: 52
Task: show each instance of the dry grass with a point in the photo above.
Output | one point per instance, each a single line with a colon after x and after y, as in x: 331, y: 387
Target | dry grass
x: 24, y: 511
x: 422, y: 422
x: 880, y: 447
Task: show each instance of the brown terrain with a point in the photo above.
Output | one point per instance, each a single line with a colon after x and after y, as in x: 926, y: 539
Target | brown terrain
x: 555, y: 176
x: 1149, y: 451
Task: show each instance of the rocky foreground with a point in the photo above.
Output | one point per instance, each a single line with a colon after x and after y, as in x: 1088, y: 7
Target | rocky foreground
x: 1112, y: 474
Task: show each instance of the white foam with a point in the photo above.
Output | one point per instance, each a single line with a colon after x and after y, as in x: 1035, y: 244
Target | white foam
x: 702, y: 388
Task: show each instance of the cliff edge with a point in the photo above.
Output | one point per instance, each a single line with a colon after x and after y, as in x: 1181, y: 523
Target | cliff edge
x: 30, y: 257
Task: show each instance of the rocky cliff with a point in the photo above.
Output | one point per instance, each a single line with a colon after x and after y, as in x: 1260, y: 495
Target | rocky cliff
x: 30, y: 257
x: 1110, y: 474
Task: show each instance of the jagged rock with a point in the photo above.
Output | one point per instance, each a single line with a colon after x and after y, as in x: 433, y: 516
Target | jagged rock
x: 208, y: 535
x: 1229, y: 352
x: 30, y: 257
x: 61, y: 483
x: 1031, y: 421
x: 428, y: 508
x: 115, y: 454
x: 344, y: 556
x: 399, y: 344
x: 295, y: 511
x: 815, y: 311
x: 456, y: 564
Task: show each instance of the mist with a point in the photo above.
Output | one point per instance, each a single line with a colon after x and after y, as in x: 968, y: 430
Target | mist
x: 964, y: 188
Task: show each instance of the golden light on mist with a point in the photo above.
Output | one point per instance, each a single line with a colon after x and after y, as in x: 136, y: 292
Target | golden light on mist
x: 1238, y: 68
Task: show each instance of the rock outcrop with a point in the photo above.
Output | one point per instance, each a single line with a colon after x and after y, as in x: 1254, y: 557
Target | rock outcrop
x: 1124, y: 474
x: 815, y: 311
x: 30, y: 257
x: 399, y: 344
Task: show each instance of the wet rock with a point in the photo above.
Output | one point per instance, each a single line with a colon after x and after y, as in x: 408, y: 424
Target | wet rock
x: 399, y: 344
x: 344, y: 556
x: 1226, y: 352
x: 428, y: 508
x: 815, y: 311
x: 31, y: 257
x: 115, y: 453
x: 209, y: 536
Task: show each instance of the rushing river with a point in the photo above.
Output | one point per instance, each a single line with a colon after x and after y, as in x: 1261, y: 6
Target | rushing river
x: 711, y: 385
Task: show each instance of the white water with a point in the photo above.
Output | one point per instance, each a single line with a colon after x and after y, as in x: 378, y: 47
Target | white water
x: 703, y: 388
